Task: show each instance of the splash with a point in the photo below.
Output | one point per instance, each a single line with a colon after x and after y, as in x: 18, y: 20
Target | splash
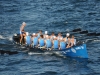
x: 9, y: 38
x: 34, y: 53
x: 6, y: 37
x: 2, y: 37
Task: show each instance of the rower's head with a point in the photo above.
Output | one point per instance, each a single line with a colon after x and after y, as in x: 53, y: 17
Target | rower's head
x: 41, y: 36
x: 59, y: 34
x: 67, y: 35
x: 73, y: 36
x: 40, y: 31
x: 34, y: 34
x: 24, y: 24
x: 53, y: 33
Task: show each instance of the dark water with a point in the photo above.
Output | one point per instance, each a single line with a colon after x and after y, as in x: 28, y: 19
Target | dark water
x: 51, y: 15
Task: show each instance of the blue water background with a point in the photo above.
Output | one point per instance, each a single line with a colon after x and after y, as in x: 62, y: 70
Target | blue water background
x: 51, y: 15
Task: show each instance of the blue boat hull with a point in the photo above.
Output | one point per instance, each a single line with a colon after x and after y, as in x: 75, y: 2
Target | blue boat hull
x: 76, y: 51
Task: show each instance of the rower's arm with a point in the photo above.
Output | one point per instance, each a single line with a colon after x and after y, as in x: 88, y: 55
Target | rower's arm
x: 22, y: 27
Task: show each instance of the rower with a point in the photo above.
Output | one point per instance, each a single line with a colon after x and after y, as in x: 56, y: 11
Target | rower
x: 48, y: 42
x: 22, y: 32
x: 59, y: 37
x: 73, y: 41
x: 66, y: 38
x: 34, y: 40
x: 55, y: 43
x: 68, y: 42
x: 46, y: 34
x: 41, y: 41
x: 28, y: 39
x: 52, y: 36
x: 62, y: 44
x: 39, y: 33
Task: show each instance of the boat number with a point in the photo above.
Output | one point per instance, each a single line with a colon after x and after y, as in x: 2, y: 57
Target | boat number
x: 73, y: 49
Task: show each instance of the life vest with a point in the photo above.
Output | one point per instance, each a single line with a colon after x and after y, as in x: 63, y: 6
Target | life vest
x: 41, y: 42
x: 28, y: 40
x: 56, y: 44
x: 48, y: 43
x: 62, y: 45
x: 35, y: 41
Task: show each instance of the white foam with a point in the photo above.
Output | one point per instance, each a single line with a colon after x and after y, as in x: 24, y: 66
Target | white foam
x: 66, y: 22
x: 1, y: 37
x: 10, y: 38
x: 48, y: 53
x: 6, y: 37
x: 97, y: 40
x: 33, y: 53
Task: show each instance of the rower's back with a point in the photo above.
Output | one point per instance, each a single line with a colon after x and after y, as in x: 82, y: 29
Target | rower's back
x: 41, y: 41
x: 55, y: 43
x: 35, y: 40
x: 48, y: 42
x: 28, y: 39
x: 62, y: 44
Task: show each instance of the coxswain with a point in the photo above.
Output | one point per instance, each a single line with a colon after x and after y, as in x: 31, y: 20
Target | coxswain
x: 22, y: 32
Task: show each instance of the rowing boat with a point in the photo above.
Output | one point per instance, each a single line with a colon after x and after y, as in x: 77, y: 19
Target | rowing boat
x: 75, y: 51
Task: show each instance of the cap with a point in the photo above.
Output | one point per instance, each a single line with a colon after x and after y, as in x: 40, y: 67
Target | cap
x: 27, y: 33
x: 33, y: 33
x: 23, y: 23
x: 67, y: 34
x: 46, y: 32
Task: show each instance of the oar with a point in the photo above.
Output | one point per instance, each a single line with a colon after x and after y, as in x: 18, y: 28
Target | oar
x: 2, y: 52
